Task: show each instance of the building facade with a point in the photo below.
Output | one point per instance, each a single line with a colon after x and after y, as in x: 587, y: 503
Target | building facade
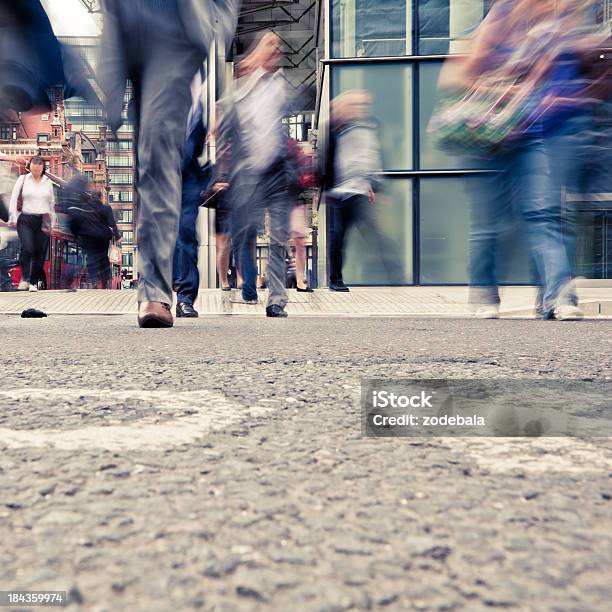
x: 23, y: 135
x: 395, y: 49
x: 115, y: 149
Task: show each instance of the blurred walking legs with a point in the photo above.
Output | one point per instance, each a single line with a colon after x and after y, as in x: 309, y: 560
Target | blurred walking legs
x: 268, y: 194
x: 34, y: 244
x: 186, y: 276
x: 357, y: 211
x: 528, y: 186
x: 162, y: 105
x: 98, y: 265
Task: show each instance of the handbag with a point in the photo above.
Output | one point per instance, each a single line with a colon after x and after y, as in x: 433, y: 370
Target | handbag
x: 20, y: 196
x: 4, y: 211
x: 487, y: 119
x: 87, y: 221
x: 212, y: 198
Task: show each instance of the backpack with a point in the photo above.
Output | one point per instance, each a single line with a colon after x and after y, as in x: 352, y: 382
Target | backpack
x: 87, y: 220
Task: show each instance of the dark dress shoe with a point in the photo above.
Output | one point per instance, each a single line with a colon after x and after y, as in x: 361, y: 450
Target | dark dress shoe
x: 184, y: 309
x: 338, y: 287
x: 275, y: 311
x: 305, y: 290
x: 154, y: 314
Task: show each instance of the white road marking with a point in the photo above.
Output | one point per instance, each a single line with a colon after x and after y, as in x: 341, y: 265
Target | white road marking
x: 213, y: 412
x: 535, y: 455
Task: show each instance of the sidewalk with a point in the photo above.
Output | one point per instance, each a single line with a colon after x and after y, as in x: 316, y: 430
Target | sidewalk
x: 447, y: 302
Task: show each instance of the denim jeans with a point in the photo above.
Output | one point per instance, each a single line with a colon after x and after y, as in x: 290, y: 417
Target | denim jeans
x: 528, y: 188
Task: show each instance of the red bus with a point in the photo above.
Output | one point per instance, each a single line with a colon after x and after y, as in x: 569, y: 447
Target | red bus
x: 65, y: 264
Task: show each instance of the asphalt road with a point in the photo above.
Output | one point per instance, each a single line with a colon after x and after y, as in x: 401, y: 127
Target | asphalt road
x: 220, y: 466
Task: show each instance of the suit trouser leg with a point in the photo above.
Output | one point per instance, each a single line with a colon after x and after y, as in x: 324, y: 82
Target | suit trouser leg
x: 186, y: 275
x: 164, y: 102
x: 340, y: 220
x: 244, y: 237
x: 278, y: 210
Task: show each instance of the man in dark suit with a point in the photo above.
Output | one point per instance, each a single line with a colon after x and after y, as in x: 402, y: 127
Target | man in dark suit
x: 196, y: 179
x: 159, y: 45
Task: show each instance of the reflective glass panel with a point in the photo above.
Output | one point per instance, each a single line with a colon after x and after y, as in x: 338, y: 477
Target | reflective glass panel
x: 391, y: 89
x: 445, y: 213
x: 380, y: 252
x: 371, y: 28
x: 444, y: 23
x: 431, y: 156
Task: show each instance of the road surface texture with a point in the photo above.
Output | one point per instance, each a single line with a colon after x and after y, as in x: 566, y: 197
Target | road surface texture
x: 220, y: 466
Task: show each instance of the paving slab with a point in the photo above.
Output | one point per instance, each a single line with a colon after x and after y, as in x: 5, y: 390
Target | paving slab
x: 361, y: 301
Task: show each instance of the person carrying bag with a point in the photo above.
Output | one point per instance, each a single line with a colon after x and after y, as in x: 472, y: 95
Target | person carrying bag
x: 32, y: 209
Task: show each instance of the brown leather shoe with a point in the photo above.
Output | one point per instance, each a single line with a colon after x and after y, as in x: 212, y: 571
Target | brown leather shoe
x: 154, y: 314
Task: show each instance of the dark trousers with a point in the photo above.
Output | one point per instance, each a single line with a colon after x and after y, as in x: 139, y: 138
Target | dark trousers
x: 186, y: 277
x: 34, y: 244
x: 256, y: 194
x: 357, y: 211
x: 98, y: 265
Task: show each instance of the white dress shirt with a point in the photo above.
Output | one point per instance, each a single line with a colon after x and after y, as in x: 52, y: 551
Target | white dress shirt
x: 38, y: 197
x: 262, y: 102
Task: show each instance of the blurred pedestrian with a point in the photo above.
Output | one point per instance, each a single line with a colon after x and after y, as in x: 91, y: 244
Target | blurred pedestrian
x: 93, y: 224
x: 222, y: 203
x: 525, y: 66
x: 4, y: 211
x: 196, y: 178
x: 350, y: 166
x: 159, y: 45
x: 32, y: 60
x: 304, y: 179
x: 32, y: 210
x: 8, y: 258
x: 259, y: 172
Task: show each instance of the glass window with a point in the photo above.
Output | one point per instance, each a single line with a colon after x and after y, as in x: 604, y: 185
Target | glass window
x: 371, y: 28
x: 299, y: 126
x: 445, y: 228
x: 124, y: 216
x: 379, y: 251
x: 432, y: 157
x: 391, y: 89
x: 121, y: 196
x: 118, y: 179
x: 128, y: 237
x: 120, y: 145
x: 121, y: 162
x: 127, y: 260
x: 443, y: 23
